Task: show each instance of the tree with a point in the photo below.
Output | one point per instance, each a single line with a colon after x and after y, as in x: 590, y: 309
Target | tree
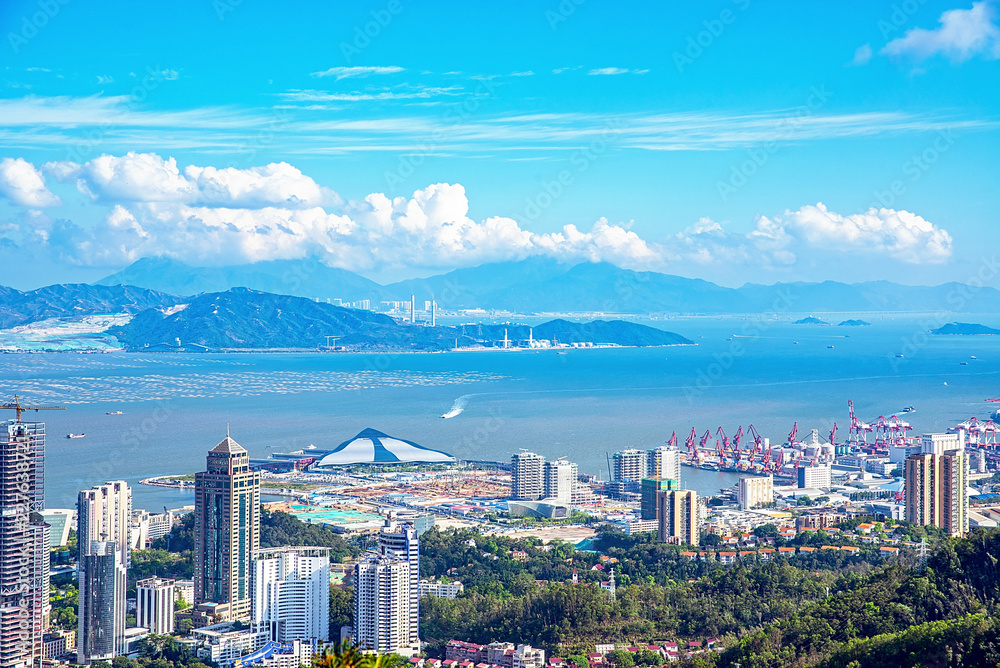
x: 766, y: 531
x: 621, y: 658
x: 346, y: 655
x: 711, y: 540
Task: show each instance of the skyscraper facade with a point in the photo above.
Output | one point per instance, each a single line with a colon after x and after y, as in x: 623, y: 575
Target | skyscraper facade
x: 291, y: 594
x: 399, y: 539
x: 649, y: 500
x: 105, y: 554
x: 382, y: 605
x: 628, y: 465
x: 663, y: 462
x: 937, y: 482
x: 24, y: 537
x: 527, y: 479
x: 226, y: 530
x: 560, y: 480
x: 678, y: 516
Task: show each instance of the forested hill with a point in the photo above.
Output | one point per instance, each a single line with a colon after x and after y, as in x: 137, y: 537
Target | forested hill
x: 829, y: 608
x: 248, y: 319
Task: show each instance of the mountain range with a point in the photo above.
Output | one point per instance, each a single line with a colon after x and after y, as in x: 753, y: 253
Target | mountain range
x: 543, y: 285
x: 244, y: 318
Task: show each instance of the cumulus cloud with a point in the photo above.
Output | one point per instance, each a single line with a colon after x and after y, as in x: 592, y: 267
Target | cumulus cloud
x: 147, y: 177
x: 203, y: 214
x: 781, y: 241
x: 23, y: 184
x: 963, y: 33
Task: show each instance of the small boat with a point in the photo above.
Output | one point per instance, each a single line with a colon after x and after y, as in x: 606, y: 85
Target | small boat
x: 908, y: 409
x: 830, y: 347
x: 114, y: 413
x: 310, y: 447
x: 899, y: 356
x: 963, y: 364
x: 973, y: 357
x: 75, y: 435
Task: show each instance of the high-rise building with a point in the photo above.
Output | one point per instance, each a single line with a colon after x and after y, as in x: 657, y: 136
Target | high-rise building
x: 650, y: 488
x: 400, y: 540
x: 754, y: 491
x: 628, y: 465
x: 678, y: 511
x: 291, y: 594
x: 560, y: 480
x: 663, y: 462
x: 526, y: 473
x: 154, y: 605
x: 101, y: 635
x: 103, y: 514
x: 382, y: 605
x: 226, y: 531
x: 937, y: 483
x: 24, y: 544
x: 815, y: 477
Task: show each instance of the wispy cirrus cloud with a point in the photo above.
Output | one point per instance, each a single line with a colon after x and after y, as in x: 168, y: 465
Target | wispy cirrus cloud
x: 614, y: 71
x: 356, y: 72
x: 302, y: 124
x: 405, y: 92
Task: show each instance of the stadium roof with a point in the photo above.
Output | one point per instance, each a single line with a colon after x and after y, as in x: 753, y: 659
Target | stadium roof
x: 374, y: 447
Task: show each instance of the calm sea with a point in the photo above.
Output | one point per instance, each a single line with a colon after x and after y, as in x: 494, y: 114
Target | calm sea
x: 581, y: 404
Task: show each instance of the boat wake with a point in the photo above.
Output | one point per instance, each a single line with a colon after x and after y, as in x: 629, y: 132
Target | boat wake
x: 457, y: 407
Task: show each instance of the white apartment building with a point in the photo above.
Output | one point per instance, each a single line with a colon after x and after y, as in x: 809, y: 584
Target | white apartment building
x: 754, y: 491
x: 441, y: 589
x: 816, y: 477
x: 527, y: 478
x: 382, y: 605
x: 154, y: 605
x: 399, y: 539
x: 560, y: 480
x: 663, y: 462
x: 290, y: 593
x: 628, y: 465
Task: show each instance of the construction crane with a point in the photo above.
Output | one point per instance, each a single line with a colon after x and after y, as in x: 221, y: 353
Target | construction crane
x: 793, y: 434
x: 15, y: 405
x: 833, y: 434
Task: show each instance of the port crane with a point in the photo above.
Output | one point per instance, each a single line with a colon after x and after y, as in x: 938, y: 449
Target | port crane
x: 16, y: 405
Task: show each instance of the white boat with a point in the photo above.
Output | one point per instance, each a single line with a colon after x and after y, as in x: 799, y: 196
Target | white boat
x: 75, y: 435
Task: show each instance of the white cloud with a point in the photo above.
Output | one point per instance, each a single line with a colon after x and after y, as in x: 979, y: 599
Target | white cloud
x: 103, y: 79
x: 612, y: 71
x: 406, y: 92
x: 147, y: 177
x: 862, y: 55
x: 783, y: 241
x: 350, y: 72
x: 24, y: 185
x: 526, y: 73
x: 206, y: 214
x: 963, y: 34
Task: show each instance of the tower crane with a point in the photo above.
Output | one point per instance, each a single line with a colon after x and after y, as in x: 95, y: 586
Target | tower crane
x: 16, y: 405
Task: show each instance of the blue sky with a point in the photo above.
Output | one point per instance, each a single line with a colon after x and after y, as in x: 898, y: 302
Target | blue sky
x: 735, y: 140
